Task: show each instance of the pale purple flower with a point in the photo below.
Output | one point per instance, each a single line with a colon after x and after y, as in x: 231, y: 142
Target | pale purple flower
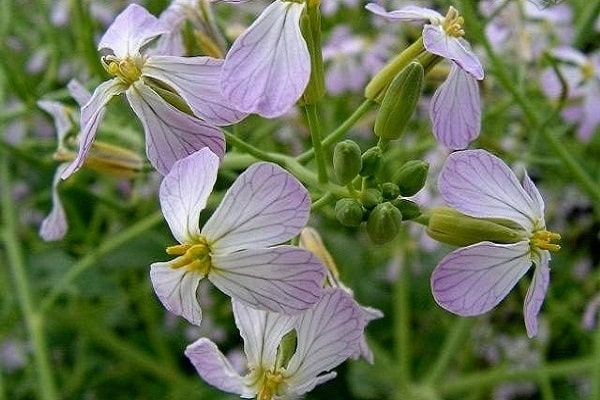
x: 171, y: 134
x: 236, y: 248
x: 455, y: 108
x: 330, y: 7
x: 326, y: 335
x: 268, y: 66
x: 582, y: 76
x: 474, y: 279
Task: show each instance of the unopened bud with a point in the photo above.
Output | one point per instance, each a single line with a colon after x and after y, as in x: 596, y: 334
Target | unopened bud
x: 390, y: 191
x: 347, y: 161
x: 311, y: 241
x: 371, y: 197
x: 384, y: 223
x: 372, y: 161
x: 310, y: 26
x: 400, y: 102
x: 349, y: 212
x: 409, y: 209
x: 411, y: 177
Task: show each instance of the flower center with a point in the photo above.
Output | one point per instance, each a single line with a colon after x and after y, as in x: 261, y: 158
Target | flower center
x: 195, y: 257
x: 453, y: 23
x: 543, y: 239
x: 587, y: 70
x: 127, y: 69
x: 268, y: 387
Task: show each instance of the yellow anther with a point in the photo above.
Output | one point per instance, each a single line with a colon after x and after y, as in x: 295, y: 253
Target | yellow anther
x: 543, y: 239
x: 268, y: 387
x: 453, y: 23
x: 126, y: 69
x: 587, y: 70
x: 177, y: 250
x: 195, y: 257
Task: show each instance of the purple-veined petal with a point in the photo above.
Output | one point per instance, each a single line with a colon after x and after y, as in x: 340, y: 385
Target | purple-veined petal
x: 262, y: 332
x: 91, y: 115
x: 176, y: 289
x: 536, y: 293
x: 268, y: 66
x: 284, y: 279
x: 265, y: 206
x: 185, y: 190
x: 472, y: 280
x: 196, y: 80
x: 171, y: 134
x: 436, y: 41
x: 364, y: 351
x: 79, y: 92
x: 130, y: 31
x: 213, y: 367
x: 328, y: 334
x: 408, y: 13
x: 481, y: 185
x: 591, y: 117
x: 455, y: 110
x: 54, y: 226
x: 62, y: 118
x: 533, y: 192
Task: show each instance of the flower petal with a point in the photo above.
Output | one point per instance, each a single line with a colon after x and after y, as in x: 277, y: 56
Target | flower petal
x: 185, y: 190
x: 268, y: 66
x: 472, y: 280
x: 133, y: 28
x: 455, y: 110
x: 436, y: 41
x: 176, y: 289
x: 408, y: 13
x: 284, y: 279
x: 533, y: 192
x: 213, y: 367
x: 54, y: 226
x: 63, y: 122
x: 536, y: 293
x: 170, y: 134
x: 328, y: 334
x: 265, y: 206
x: 196, y: 80
x: 91, y: 115
x: 480, y: 184
x: 79, y: 92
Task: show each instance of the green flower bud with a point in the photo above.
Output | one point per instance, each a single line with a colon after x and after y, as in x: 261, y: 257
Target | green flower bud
x: 400, y: 102
x: 390, y: 191
x: 411, y: 177
x: 310, y: 26
x: 372, y: 161
x: 409, y: 209
x: 384, y: 223
x: 349, y: 212
x: 371, y: 197
x: 347, y: 161
x: 449, y: 226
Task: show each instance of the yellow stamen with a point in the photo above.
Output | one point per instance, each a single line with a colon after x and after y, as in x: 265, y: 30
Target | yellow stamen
x: 268, y: 387
x: 126, y: 69
x: 195, y: 257
x: 543, y: 239
x: 453, y: 23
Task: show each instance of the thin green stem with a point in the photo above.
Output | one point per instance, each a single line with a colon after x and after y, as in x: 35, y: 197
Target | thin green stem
x: 112, y: 243
x: 340, y: 131
x: 402, y: 321
x: 315, y: 134
x: 453, y: 341
x: 595, y: 379
x: 585, y: 24
x: 33, y: 320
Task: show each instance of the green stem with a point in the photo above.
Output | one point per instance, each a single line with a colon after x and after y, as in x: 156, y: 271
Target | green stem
x: 501, y: 72
x: 453, y: 341
x: 340, y: 131
x: 33, y: 320
x: 402, y: 321
x: 92, y: 257
x: 595, y: 394
x: 315, y: 135
x: 585, y: 23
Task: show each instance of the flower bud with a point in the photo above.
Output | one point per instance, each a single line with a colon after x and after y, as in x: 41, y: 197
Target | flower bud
x: 390, y: 191
x: 409, y: 209
x: 372, y: 161
x: 349, y: 212
x: 347, y: 161
x: 400, y: 102
x: 311, y: 241
x: 384, y: 223
x: 310, y: 26
x: 371, y: 197
x: 411, y: 177
x: 449, y: 226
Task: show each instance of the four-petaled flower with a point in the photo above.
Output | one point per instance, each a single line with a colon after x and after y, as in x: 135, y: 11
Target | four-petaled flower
x: 325, y: 336
x: 455, y: 107
x: 264, y: 207
x: 474, y: 279
x: 189, y: 82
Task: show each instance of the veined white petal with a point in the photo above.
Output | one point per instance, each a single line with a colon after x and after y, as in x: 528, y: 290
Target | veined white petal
x: 171, y: 134
x: 328, y: 334
x: 196, y: 80
x: 408, y: 13
x: 455, y: 110
x: 265, y: 206
x: 480, y: 184
x: 185, y: 190
x: 176, y: 289
x: 284, y: 279
x: 62, y: 118
x: 213, y: 366
x: 262, y: 332
x: 268, y: 66
x: 472, y: 280
x: 536, y: 293
x: 133, y: 28
x: 79, y: 92
x: 91, y: 115
x: 534, y: 194
x: 436, y: 41
x: 54, y: 226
